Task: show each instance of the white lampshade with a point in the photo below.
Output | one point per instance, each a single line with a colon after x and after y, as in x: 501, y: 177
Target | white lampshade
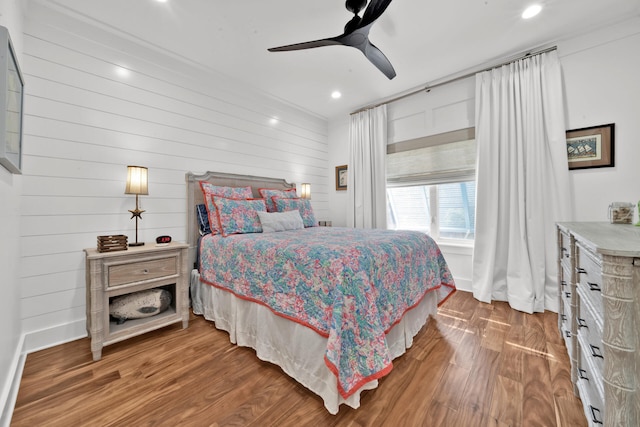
x: 136, y: 180
x: 305, y: 190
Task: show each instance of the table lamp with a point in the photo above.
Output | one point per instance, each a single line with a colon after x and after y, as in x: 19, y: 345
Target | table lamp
x: 136, y: 184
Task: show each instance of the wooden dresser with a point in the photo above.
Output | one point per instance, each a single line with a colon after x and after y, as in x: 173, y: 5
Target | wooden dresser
x: 599, y: 317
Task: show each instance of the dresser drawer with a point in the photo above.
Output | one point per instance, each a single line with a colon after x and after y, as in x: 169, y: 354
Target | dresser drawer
x: 567, y: 296
x: 120, y: 274
x: 591, y: 387
x: 565, y: 327
x: 589, y: 278
x: 590, y: 333
x: 565, y: 252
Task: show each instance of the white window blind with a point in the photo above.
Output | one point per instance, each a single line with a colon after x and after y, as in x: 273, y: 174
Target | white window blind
x: 431, y: 185
x: 437, y: 159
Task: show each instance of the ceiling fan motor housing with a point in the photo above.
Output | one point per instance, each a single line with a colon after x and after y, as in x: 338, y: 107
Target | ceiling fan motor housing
x: 355, y: 6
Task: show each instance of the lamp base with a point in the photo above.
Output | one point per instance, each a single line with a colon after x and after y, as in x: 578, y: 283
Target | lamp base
x: 136, y: 244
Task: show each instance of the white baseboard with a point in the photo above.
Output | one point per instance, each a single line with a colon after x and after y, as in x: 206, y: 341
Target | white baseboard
x: 12, y: 385
x: 463, y: 284
x: 29, y: 343
x: 55, y: 335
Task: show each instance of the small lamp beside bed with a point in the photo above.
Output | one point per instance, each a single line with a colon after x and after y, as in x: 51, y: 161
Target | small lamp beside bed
x: 136, y: 184
x: 305, y: 190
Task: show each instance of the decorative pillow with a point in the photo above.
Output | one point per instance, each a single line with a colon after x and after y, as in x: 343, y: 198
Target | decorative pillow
x: 238, y: 216
x: 203, y: 219
x: 269, y: 193
x: 280, y: 221
x: 301, y: 205
x: 216, y: 190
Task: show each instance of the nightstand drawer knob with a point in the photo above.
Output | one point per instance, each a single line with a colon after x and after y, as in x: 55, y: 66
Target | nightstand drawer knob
x: 145, y: 271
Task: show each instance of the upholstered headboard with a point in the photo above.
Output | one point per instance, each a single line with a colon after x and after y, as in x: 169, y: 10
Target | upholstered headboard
x: 195, y: 197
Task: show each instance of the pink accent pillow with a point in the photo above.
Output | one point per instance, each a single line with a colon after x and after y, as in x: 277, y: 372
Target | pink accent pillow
x: 228, y: 192
x: 302, y: 205
x: 269, y: 193
x: 238, y: 216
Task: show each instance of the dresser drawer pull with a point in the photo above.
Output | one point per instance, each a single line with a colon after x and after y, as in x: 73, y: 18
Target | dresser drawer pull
x: 567, y: 334
x: 582, y: 374
x: 582, y: 323
x: 580, y: 270
x: 145, y: 271
x: 594, y: 287
x: 595, y: 351
x: 596, y: 417
x: 567, y: 294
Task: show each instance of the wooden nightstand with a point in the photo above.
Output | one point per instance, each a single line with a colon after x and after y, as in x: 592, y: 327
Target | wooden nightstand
x: 111, y: 274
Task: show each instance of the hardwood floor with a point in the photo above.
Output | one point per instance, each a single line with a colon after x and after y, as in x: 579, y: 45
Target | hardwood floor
x: 474, y: 364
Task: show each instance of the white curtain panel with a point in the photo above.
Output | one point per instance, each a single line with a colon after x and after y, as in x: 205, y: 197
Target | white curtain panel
x: 366, y: 186
x: 522, y: 183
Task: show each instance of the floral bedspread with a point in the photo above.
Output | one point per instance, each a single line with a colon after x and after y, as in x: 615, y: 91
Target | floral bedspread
x: 349, y: 285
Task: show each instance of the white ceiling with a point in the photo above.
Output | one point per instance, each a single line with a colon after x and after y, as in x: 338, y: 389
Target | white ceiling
x: 424, y: 40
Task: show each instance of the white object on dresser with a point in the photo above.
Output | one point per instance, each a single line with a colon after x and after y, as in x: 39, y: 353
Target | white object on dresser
x: 599, y: 317
x: 111, y: 274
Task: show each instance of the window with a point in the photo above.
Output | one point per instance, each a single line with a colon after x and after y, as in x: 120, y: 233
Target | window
x: 431, y: 185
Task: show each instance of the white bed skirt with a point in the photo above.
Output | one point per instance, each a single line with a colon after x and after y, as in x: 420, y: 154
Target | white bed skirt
x: 298, y: 350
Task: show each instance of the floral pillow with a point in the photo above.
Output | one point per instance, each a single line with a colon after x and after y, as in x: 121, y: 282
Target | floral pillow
x: 228, y: 192
x: 269, y: 193
x: 302, y: 205
x: 238, y: 216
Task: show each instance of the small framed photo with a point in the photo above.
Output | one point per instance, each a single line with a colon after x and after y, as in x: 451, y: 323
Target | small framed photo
x: 591, y: 147
x: 341, y: 177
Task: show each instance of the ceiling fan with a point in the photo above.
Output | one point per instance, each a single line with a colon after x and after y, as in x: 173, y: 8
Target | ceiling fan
x: 356, y: 34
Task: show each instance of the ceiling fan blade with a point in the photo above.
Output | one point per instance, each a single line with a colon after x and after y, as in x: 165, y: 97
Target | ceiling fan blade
x: 305, y: 45
x: 375, y: 9
x: 378, y: 59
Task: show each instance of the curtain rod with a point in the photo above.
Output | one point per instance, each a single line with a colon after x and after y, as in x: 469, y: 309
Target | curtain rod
x: 454, y: 79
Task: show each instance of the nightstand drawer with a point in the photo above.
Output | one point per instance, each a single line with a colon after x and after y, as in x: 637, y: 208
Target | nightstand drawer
x: 120, y: 274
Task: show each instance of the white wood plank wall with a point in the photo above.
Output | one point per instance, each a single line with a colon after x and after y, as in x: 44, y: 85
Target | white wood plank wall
x: 84, y: 124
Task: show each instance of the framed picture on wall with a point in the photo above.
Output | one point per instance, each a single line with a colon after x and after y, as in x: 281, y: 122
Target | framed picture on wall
x: 341, y: 177
x: 11, y: 98
x: 591, y: 147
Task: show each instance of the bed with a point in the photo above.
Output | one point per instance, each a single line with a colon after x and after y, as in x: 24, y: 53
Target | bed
x: 331, y: 306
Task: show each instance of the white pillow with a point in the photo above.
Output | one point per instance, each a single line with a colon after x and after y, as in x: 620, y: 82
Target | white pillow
x: 280, y: 221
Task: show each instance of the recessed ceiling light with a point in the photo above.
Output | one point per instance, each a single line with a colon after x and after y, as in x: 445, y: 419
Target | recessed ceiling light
x: 273, y: 120
x: 122, y: 72
x: 161, y: 1
x: 336, y: 94
x: 531, y: 11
